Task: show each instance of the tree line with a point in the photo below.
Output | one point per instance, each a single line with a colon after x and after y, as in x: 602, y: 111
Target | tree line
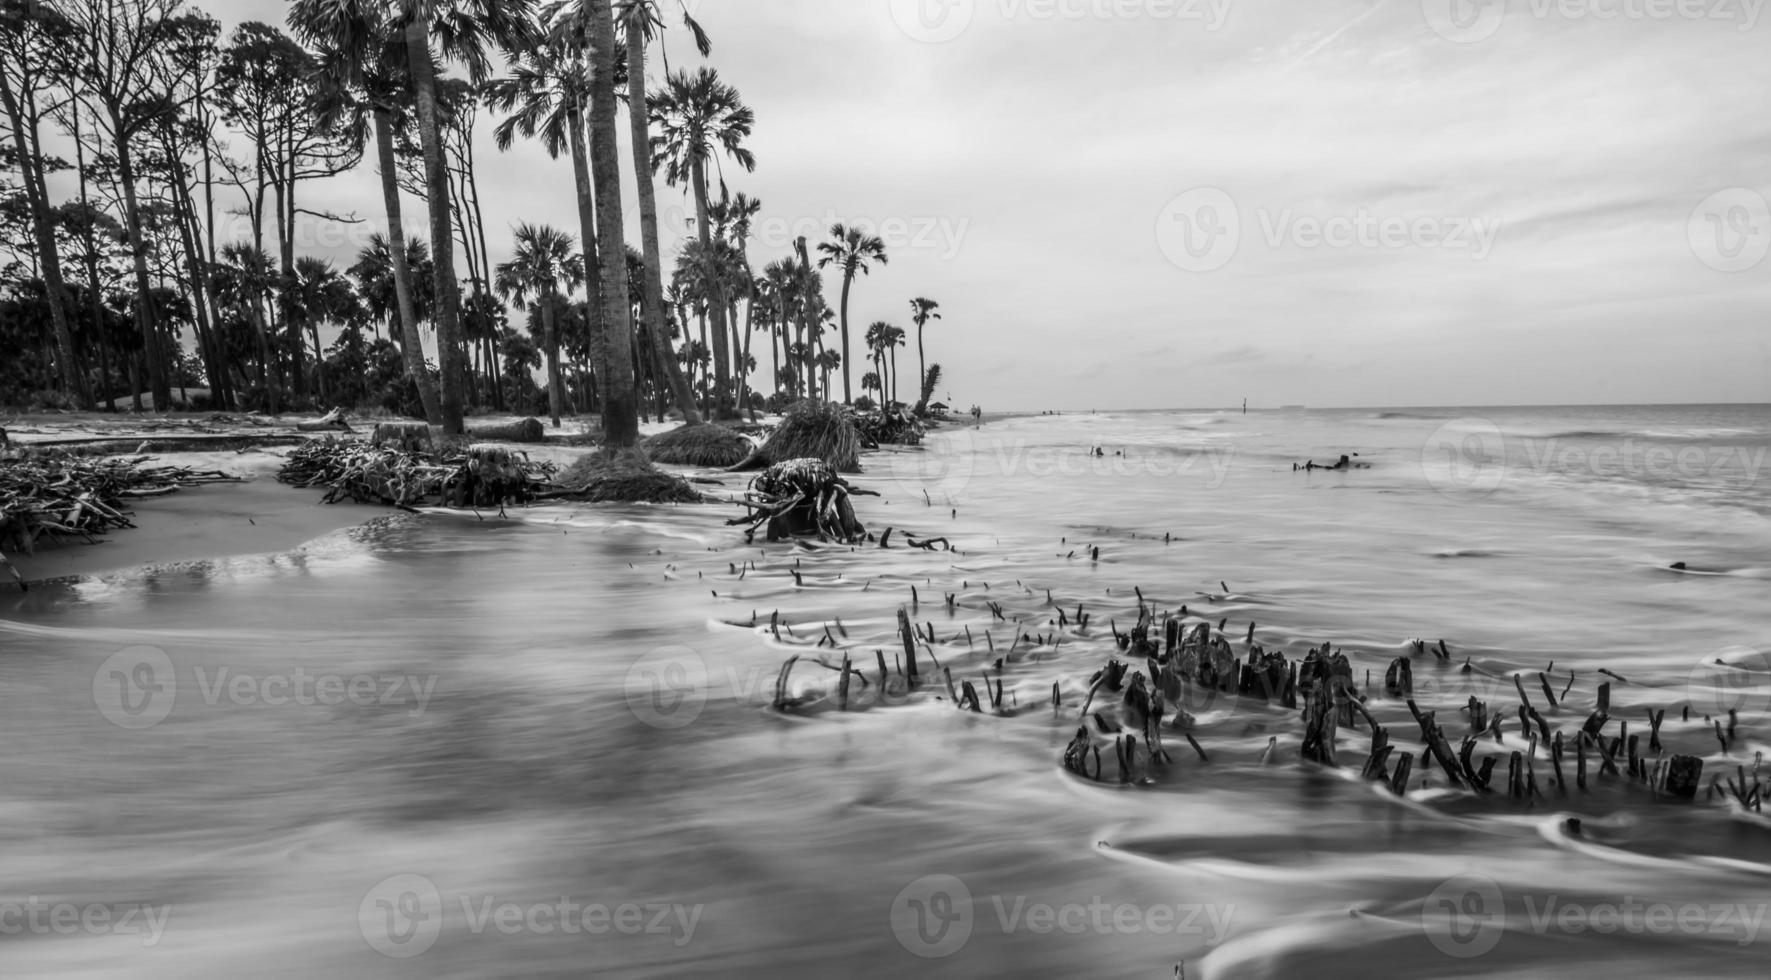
x: 174, y: 259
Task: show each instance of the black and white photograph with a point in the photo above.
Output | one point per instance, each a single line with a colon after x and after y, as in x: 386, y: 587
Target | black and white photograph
x: 1164, y: 489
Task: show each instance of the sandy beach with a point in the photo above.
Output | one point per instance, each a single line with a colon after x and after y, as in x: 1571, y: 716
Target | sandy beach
x: 258, y: 516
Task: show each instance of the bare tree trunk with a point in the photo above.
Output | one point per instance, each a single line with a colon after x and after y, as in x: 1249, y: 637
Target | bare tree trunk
x: 158, y: 383
x: 31, y: 164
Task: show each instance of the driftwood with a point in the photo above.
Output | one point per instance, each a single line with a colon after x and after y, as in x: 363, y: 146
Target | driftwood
x: 480, y: 476
x: 333, y: 421
x: 54, y: 495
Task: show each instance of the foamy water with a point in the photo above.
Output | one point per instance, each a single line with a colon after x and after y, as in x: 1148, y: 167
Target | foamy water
x: 544, y: 746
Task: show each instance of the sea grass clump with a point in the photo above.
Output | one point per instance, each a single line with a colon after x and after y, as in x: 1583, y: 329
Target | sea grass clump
x: 811, y: 430
x: 623, y: 476
x: 699, y: 445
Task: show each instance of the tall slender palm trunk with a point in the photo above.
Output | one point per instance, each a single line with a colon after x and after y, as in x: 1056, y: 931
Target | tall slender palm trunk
x: 717, y: 293
x: 848, y: 279
x: 411, y: 342
x: 620, y: 412
x: 450, y: 352
x: 594, y: 320
x: 652, y: 289
x: 556, y: 389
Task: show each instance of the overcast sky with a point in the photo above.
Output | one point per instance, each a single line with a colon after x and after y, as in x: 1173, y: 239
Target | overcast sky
x: 1183, y: 203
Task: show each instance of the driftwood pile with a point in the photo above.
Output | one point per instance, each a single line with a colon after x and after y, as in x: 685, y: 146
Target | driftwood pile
x: 477, y: 476
x: 802, y: 498
x: 55, y: 495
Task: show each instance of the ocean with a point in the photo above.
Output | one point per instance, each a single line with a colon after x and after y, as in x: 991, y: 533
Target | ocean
x: 455, y: 745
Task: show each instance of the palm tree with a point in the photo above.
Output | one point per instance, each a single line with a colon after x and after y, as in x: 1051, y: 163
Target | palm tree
x: 543, y: 271
x: 549, y: 91
x: 353, y: 35
x: 695, y: 113
x: 739, y: 212
x: 828, y: 361
x: 851, y: 250
x: 361, y: 50
x: 640, y: 23
x: 316, y: 293
x: 894, y: 339
x: 922, y: 311
x: 876, y: 343
x: 620, y: 409
x: 391, y: 294
x: 243, y: 280
x: 775, y: 289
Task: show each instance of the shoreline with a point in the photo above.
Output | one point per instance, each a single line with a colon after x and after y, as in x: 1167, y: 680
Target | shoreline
x: 228, y: 520
x: 257, y: 516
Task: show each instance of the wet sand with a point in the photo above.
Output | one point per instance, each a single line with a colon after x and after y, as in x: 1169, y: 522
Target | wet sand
x: 259, y: 516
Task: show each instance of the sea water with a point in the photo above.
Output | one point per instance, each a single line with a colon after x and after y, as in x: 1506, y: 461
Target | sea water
x: 545, y: 744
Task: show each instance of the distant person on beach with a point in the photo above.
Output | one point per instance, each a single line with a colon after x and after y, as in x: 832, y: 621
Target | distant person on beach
x: 977, y: 414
